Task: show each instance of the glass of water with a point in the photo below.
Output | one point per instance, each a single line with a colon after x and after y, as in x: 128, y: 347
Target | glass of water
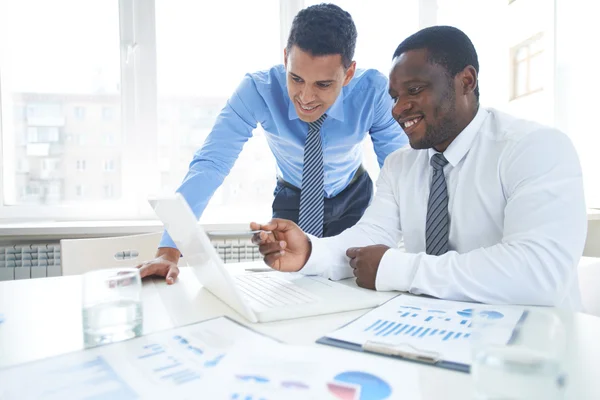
x: 112, y: 309
x: 529, y: 367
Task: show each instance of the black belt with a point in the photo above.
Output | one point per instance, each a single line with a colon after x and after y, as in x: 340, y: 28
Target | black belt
x: 357, y: 174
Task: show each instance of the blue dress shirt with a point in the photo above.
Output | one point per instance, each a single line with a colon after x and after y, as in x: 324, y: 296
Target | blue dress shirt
x: 362, y: 107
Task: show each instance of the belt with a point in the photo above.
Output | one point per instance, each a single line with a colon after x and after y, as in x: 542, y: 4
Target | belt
x: 357, y: 174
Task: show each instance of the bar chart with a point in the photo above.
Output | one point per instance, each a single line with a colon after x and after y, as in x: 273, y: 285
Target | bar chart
x: 385, y: 328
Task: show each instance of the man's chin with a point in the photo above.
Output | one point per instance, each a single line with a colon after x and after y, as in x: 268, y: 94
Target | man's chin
x: 308, y: 118
x: 418, y: 144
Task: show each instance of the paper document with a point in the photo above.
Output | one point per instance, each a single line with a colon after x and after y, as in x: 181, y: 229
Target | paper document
x: 428, y: 325
x: 296, y: 372
x: 170, y: 364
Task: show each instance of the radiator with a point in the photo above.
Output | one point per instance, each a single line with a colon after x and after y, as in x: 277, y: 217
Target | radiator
x: 39, y: 260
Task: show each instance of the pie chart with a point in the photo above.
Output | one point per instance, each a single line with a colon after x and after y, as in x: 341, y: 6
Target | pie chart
x: 356, y: 385
x: 487, y: 314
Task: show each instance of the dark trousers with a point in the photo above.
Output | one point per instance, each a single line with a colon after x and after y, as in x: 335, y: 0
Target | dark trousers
x: 341, y: 211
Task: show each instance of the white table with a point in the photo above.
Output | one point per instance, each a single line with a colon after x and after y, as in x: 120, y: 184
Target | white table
x: 43, y: 319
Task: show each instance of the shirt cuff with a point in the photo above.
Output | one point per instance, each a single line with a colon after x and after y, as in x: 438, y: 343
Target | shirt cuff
x: 166, y: 241
x: 313, y: 266
x: 396, y: 271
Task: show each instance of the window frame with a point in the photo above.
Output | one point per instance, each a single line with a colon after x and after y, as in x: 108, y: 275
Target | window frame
x: 514, y: 65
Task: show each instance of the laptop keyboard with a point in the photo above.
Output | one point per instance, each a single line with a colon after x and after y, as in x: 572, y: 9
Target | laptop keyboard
x: 271, y: 291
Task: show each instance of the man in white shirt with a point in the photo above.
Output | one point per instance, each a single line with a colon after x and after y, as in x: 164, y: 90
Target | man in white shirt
x: 490, y: 207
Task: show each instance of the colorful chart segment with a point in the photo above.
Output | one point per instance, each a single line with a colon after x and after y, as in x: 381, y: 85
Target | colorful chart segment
x: 357, y: 385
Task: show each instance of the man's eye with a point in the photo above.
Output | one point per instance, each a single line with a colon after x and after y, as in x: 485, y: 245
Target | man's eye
x: 324, y: 85
x: 415, y: 90
x: 296, y: 79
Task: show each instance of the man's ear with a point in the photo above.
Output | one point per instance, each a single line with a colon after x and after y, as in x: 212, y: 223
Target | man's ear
x: 350, y: 73
x: 468, y: 78
x: 285, y: 58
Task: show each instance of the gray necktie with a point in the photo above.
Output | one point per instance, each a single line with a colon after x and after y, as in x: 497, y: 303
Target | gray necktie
x: 438, y: 220
x: 312, y: 191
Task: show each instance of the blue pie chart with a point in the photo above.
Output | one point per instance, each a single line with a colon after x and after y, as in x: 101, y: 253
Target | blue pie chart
x: 371, y: 386
x: 492, y: 314
x: 487, y: 314
x: 467, y: 313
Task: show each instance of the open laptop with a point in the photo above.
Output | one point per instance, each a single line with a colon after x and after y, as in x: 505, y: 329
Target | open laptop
x: 262, y: 296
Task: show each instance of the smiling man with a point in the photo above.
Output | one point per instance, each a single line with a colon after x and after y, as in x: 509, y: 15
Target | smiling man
x: 316, y: 109
x: 490, y: 207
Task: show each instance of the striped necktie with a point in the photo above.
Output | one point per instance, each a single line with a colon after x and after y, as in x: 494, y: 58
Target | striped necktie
x: 312, y: 193
x: 438, y: 220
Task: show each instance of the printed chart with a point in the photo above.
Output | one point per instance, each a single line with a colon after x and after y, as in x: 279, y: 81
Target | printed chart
x: 357, y: 385
x: 425, y: 325
x: 262, y: 387
x: 168, y: 364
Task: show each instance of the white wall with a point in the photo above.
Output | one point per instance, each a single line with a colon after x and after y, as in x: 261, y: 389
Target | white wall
x: 577, y: 103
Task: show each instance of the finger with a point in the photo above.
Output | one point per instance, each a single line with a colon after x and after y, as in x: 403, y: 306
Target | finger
x: 353, y: 263
x: 172, y: 275
x: 278, y: 224
x: 263, y: 237
x: 271, y: 259
x: 352, y: 252
x: 148, y: 269
x: 254, y: 226
x: 268, y: 248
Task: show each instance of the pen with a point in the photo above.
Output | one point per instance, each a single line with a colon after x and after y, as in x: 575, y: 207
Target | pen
x: 259, y: 269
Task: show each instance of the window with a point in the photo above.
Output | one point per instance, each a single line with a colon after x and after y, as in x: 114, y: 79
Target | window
x: 81, y: 139
x: 69, y: 80
x: 42, y: 134
x: 23, y: 165
x: 108, y: 191
x: 109, y: 139
x: 79, y: 112
x: 50, y: 164
x: 379, y: 33
x: 189, y: 101
x: 109, y: 165
x: 51, y: 83
x: 108, y: 113
x: 79, y: 190
x: 527, y: 67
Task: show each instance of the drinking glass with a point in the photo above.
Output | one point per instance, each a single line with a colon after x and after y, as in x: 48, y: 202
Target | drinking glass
x: 529, y: 367
x: 112, y: 309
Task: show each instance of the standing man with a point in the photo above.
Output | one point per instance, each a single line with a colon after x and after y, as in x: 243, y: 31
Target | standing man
x: 494, y: 210
x: 316, y: 109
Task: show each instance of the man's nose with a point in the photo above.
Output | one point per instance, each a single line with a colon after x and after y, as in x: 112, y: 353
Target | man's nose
x: 307, y: 95
x: 400, y: 108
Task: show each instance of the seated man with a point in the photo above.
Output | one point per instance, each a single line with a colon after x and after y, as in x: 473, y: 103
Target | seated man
x: 492, y: 209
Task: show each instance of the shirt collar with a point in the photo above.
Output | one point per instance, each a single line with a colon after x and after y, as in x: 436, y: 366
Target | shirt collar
x: 336, y: 111
x: 461, y: 145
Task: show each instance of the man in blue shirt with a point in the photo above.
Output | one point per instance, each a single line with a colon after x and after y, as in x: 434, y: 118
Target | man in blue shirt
x: 316, y: 110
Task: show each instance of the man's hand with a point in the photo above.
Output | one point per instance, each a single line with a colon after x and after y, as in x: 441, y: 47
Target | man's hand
x: 165, y: 264
x: 365, y: 263
x: 285, y: 248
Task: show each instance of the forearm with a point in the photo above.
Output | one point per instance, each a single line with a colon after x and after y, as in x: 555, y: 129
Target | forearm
x: 515, y: 273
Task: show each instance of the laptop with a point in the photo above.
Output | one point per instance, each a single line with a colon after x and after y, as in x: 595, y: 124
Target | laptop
x: 258, y: 296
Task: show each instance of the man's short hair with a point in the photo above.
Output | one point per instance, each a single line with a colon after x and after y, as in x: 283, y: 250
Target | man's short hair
x: 446, y: 46
x: 324, y: 29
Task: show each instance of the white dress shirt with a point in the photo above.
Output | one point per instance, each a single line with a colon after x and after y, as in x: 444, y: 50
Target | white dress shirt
x: 517, y: 219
